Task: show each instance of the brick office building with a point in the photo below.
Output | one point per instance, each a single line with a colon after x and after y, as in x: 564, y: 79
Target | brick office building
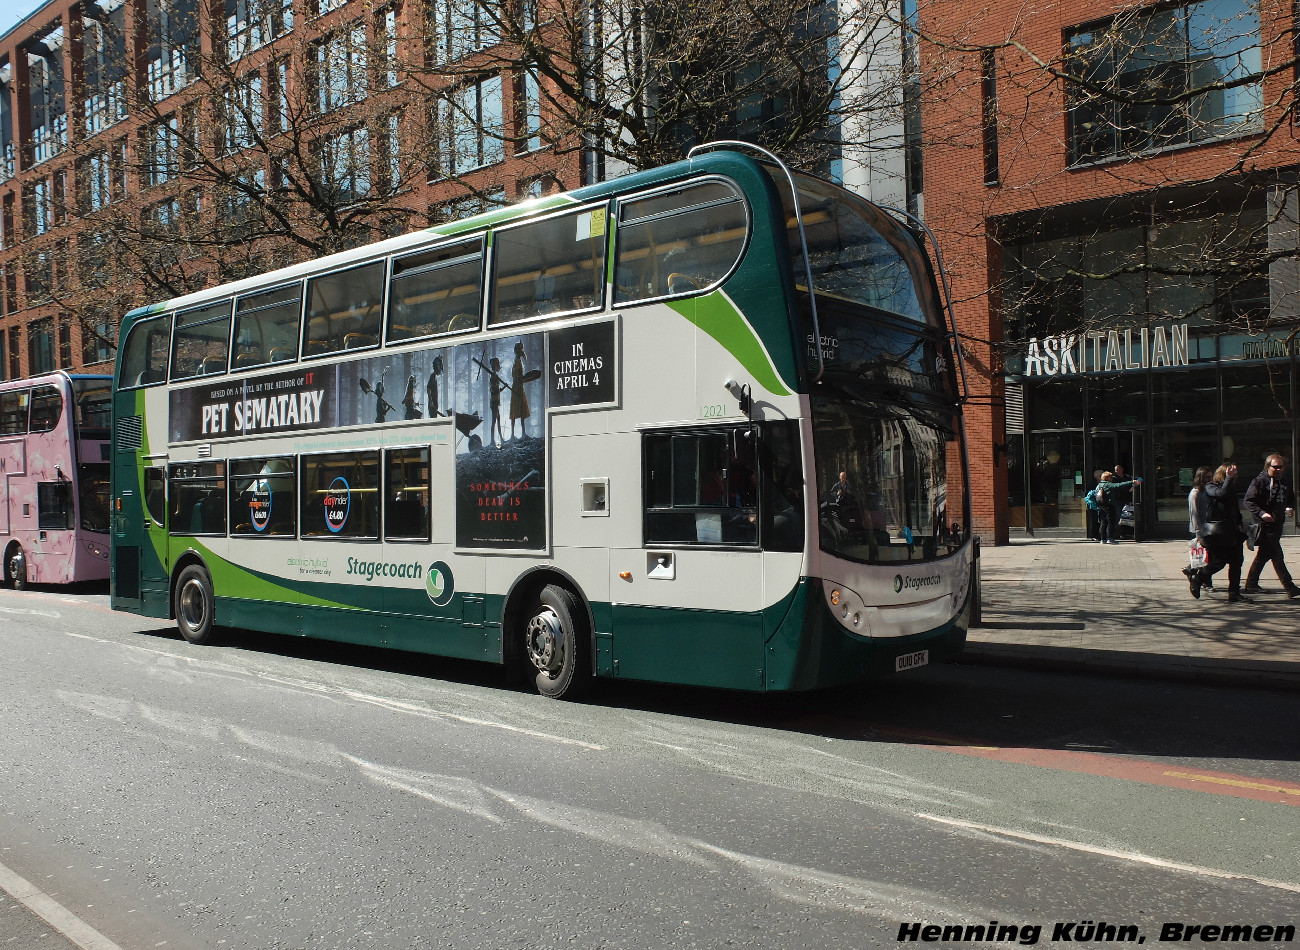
x: 1115, y: 190
x: 125, y: 118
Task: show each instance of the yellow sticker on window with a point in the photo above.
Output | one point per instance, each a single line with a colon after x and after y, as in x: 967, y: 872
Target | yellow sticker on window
x: 598, y: 222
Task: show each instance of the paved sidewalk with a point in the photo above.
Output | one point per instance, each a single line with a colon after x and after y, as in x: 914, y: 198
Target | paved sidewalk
x: 1126, y: 609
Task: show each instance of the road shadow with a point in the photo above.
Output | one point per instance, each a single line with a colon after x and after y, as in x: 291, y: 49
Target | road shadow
x: 945, y: 705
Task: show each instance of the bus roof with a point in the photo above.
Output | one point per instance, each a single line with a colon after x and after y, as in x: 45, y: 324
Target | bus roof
x: 716, y: 161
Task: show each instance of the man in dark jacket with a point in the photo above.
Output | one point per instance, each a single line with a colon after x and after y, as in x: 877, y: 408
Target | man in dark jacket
x: 1271, y: 502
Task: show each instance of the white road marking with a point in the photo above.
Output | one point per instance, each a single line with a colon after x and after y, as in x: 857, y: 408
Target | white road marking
x: 53, y: 913
x: 428, y: 713
x: 1111, y: 853
x: 29, y: 612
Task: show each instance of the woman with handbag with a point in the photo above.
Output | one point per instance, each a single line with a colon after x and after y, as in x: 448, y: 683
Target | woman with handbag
x: 1198, y: 504
x: 1223, y: 532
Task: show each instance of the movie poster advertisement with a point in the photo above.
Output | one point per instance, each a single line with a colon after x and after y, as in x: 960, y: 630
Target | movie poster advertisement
x: 268, y: 405
x: 413, y: 384
x: 500, y: 400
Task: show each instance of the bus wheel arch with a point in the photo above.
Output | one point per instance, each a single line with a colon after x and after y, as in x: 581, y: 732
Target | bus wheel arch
x: 15, y: 566
x: 194, y: 603
x: 548, y: 632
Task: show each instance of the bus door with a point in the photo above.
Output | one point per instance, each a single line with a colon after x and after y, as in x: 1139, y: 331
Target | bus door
x: 687, y: 606
x: 139, y: 567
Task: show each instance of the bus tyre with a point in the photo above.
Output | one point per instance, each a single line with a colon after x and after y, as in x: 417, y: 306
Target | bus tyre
x: 195, y: 605
x: 16, y: 567
x: 556, y: 644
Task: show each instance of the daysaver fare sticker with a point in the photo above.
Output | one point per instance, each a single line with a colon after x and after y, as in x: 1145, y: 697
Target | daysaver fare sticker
x: 338, y: 501
x: 259, y: 507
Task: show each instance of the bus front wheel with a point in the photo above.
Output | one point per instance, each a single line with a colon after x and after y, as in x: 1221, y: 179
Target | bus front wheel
x: 555, y: 642
x: 195, y: 605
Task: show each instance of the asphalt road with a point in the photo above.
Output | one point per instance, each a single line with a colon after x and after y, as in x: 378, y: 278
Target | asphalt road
x: 281, y: 793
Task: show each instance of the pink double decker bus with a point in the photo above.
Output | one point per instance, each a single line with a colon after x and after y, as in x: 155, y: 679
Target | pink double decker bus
x: 54, y: 472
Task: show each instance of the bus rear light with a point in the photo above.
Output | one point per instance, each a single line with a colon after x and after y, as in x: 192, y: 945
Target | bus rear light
x: 835, y: 598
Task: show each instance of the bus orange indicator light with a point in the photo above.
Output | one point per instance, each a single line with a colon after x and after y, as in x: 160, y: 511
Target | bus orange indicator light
x: 626, y: 575
x: 835, y: 597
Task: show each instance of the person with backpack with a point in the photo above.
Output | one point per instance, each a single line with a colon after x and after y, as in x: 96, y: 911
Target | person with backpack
x: 1104, y: 497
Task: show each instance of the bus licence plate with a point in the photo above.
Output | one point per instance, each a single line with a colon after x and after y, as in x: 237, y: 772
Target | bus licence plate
x: 910, y: 661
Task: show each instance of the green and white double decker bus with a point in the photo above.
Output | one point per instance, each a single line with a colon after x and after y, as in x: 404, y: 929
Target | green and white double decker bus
x: 697, y: 425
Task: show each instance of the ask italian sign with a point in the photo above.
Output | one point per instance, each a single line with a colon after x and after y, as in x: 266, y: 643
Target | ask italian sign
x: 1108, y: 351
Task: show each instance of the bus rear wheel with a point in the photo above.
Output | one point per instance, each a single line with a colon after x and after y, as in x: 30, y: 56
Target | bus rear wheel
x: 556, y: 644
x: 16, y: 567
x: 195, y: 605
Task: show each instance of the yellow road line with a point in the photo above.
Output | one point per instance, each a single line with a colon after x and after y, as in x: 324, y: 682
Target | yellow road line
x: 1237, y: 783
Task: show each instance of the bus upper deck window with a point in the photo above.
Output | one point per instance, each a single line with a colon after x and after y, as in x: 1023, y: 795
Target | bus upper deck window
x: 13, y: 411
x: 47, y: 407
x: 266, y: 326
x: 555, y: 265
x: 437, y: 291
x: 200, y: 340
x: 343, y: 310
x: 144, y: 358
x: 679, y: 242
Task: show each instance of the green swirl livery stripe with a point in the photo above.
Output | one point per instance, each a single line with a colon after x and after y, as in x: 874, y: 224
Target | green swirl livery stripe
x: 254, y: 585
x: 717, y: 316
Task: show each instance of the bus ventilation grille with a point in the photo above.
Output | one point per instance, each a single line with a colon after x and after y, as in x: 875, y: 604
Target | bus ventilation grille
x: 130, y: 433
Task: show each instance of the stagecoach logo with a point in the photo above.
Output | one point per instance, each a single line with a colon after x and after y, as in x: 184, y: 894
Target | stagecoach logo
x: 438, y: 584
x: 259, y: 507
x: 338, y: 501
x: 915, y: 583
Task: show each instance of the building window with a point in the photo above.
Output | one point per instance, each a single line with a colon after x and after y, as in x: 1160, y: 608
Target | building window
x: 39, y: 207
x: 251, y: 24
x: 40, y: 276
x: 40, y: 347
x: 94, y: 181
x: 460, y: 28
x: 162, y: 146
x: 391, y: 156
x: 98, y: 341
x: 104, y: 62
x: 242, y: 105
x: 470, y: 127
x: 528, y: 111
x: 278, y: 98
x: 241, y: 206
x: 1175, y: 76
x: 386, y: 47
x: 989, y: 114
x: 15, y: 341
x: 173, y: 46
x: 341, y: 68
x: 6, y: 123
x: 345, y: 164
x: 65, y: 344
x: 46, y: 97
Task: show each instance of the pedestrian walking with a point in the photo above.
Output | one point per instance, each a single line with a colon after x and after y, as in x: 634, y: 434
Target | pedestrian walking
x: 1107, y: 513
x: 1224, y: 534
x: 1271, y: 503
x: 1198, y: 507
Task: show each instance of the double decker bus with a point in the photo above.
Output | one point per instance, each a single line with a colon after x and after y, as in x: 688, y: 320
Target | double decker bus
x: 54, y: 476
x: 697, y: 425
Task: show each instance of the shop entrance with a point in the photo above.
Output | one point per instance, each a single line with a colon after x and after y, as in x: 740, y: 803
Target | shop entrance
x: 1126, y: 447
